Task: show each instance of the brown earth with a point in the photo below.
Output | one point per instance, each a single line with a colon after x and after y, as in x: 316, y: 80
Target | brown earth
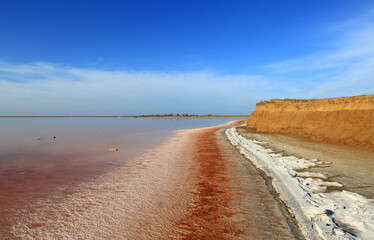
x: 345, y: 120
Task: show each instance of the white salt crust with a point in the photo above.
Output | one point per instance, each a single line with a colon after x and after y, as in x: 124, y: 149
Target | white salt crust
x: 320, y: 215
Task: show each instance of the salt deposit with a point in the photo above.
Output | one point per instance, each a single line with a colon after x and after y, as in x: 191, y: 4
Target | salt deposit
x: 335, y: 215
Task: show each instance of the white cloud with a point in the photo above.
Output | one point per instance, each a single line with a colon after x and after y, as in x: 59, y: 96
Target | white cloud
x: 45, y: 88
x: 346, y: 68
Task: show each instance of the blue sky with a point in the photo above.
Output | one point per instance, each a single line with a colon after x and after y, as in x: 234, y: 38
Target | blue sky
x: 197, y: 57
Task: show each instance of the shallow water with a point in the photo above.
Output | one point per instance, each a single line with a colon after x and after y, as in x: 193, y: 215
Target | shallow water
x: 45, y: 159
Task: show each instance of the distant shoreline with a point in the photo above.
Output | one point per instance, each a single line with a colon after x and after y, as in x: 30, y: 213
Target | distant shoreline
x: 198, y: 116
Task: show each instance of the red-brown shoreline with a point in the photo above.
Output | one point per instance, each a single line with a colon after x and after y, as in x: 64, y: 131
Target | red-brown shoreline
x: 208, y: 218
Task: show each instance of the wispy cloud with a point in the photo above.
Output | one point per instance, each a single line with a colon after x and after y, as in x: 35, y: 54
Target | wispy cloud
x: 45, y: 88
x: 346, y: 68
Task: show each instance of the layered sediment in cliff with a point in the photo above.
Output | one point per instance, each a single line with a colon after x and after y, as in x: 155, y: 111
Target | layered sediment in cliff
x: 346, y: 120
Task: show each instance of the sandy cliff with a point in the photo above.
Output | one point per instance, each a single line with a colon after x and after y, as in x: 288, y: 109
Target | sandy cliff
x: 346, y: 120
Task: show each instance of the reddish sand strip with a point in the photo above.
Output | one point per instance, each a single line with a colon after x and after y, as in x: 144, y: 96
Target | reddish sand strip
x: 209, y: 215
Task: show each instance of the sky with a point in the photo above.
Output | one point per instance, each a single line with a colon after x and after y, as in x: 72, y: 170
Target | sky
x: 176, y: 56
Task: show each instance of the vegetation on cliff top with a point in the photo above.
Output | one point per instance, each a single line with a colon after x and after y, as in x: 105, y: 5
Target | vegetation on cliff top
x: 307, y: 100
x: 290, y: 100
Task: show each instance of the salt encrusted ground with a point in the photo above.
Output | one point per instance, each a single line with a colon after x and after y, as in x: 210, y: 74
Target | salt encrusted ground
x: 320, y: 215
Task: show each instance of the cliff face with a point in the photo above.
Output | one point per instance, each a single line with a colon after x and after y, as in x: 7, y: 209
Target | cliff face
x: 348, y: 120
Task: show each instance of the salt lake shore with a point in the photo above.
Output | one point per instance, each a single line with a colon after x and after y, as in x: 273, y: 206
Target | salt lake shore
x: 205, y: 183
x: 195, y: 185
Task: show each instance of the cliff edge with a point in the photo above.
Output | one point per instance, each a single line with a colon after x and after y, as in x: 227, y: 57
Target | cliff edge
x: 345, y: 120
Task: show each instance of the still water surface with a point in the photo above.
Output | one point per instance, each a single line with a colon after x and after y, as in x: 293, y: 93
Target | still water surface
x: 49, y: 156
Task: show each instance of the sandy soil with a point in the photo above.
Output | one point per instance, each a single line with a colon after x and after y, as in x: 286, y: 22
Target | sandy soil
x: 350, y: 166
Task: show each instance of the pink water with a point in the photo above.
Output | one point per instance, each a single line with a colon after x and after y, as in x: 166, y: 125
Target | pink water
x: 49, y: 160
